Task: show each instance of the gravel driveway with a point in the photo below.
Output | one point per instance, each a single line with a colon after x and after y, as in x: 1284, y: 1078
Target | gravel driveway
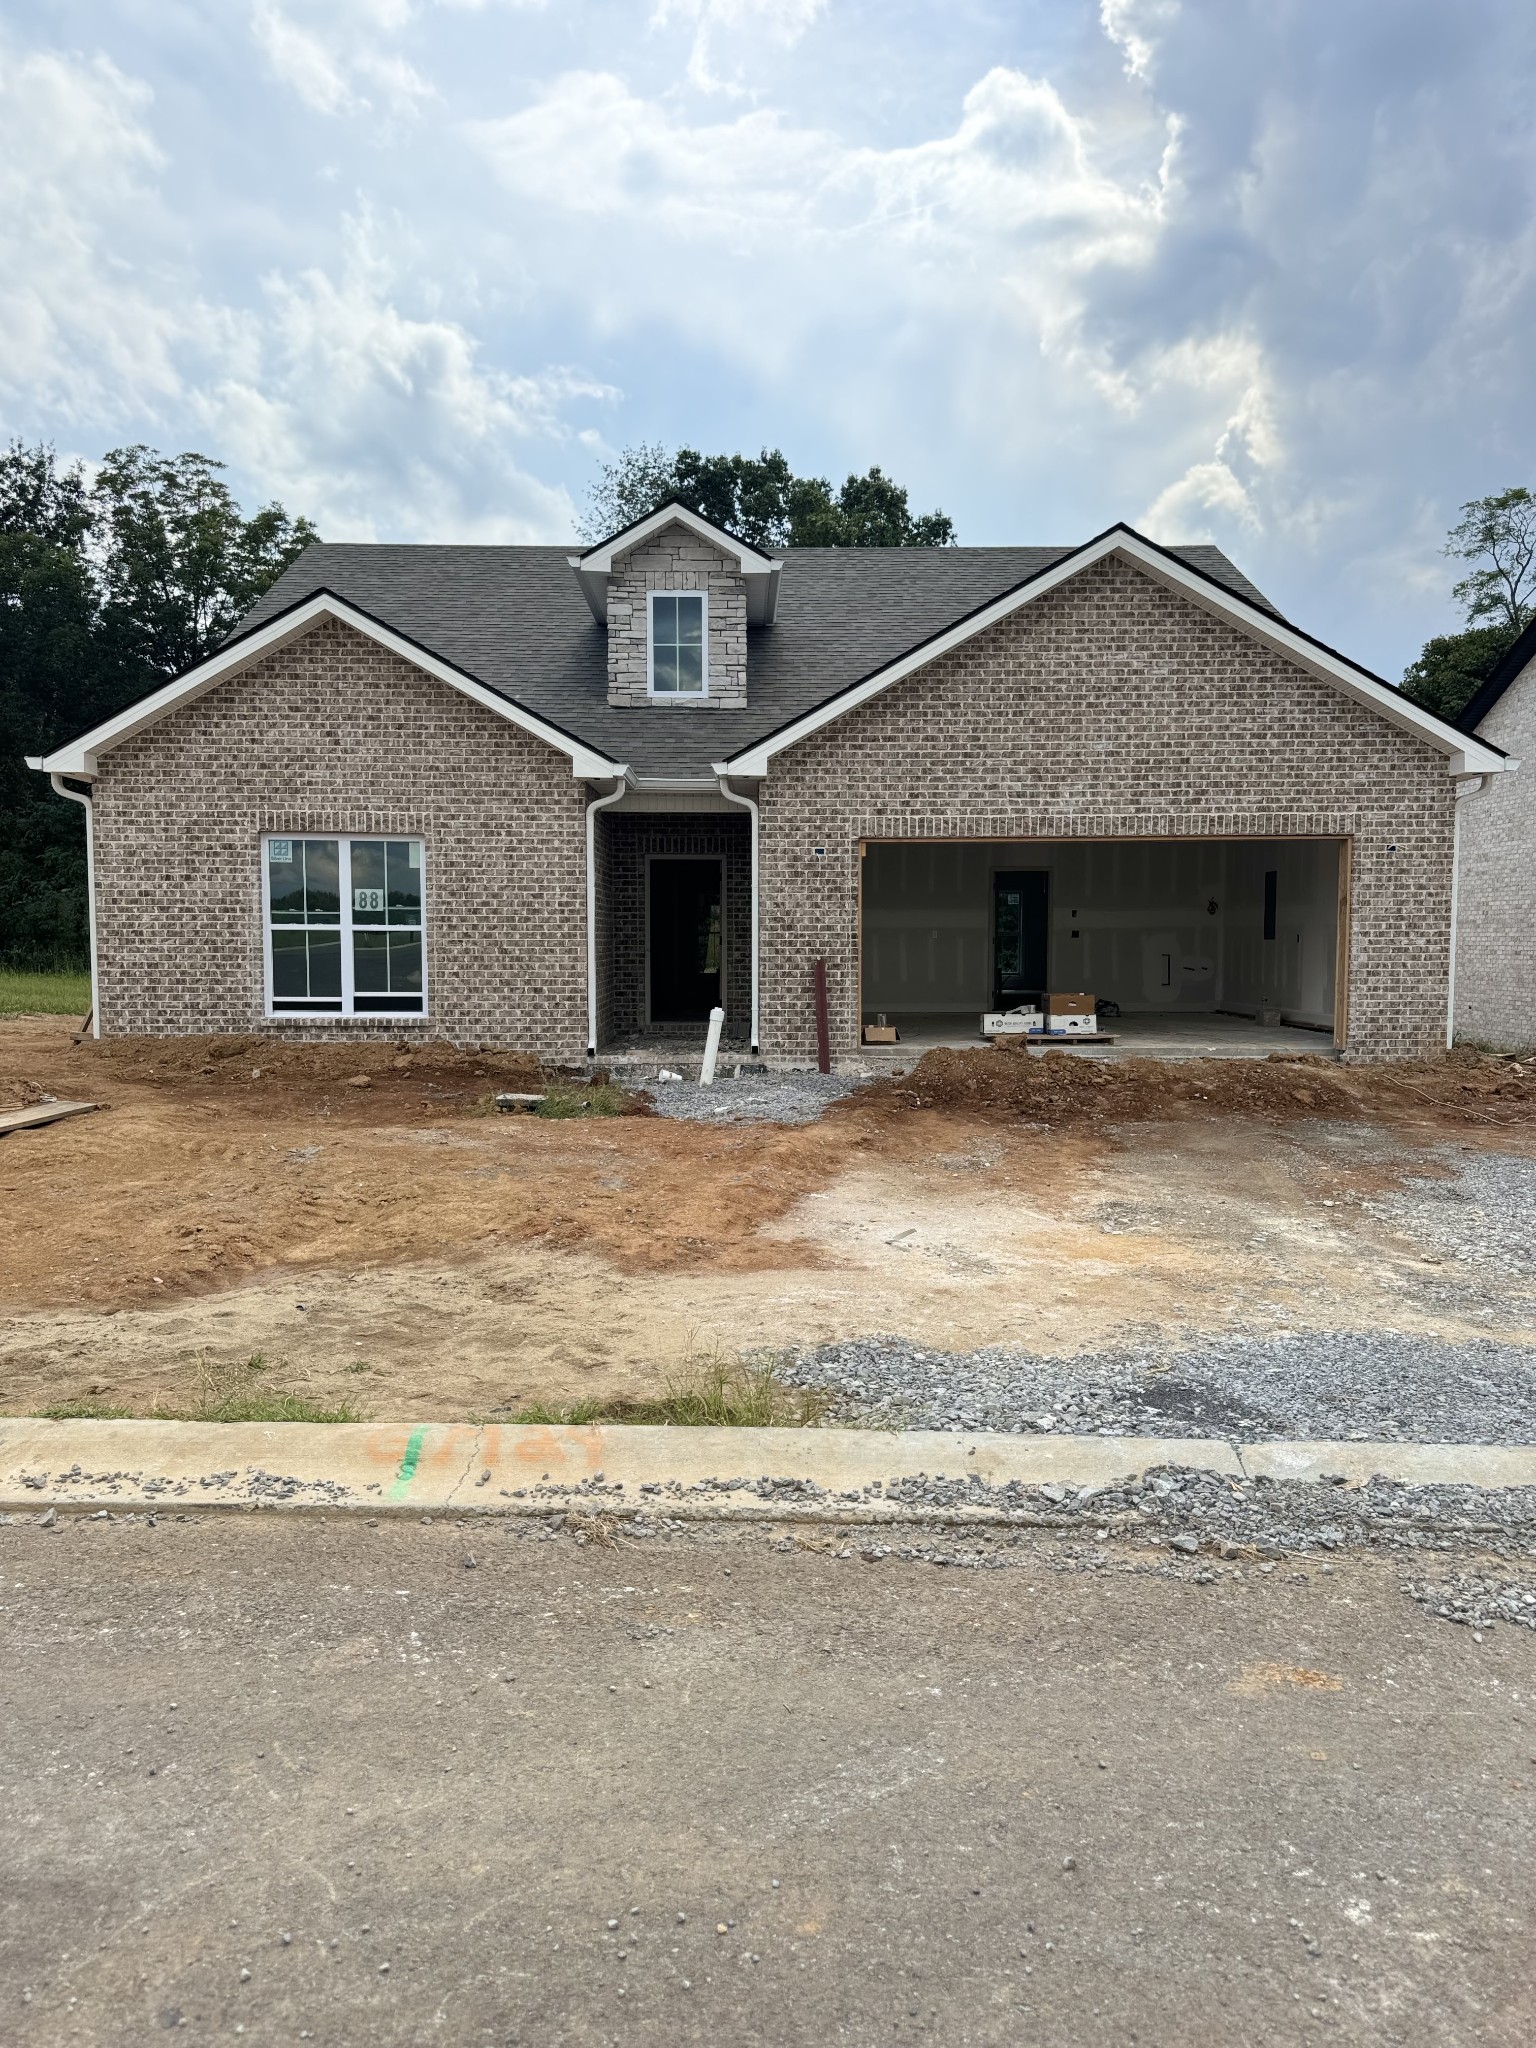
x: 1469, y: 1224
x: 1374, y: 1386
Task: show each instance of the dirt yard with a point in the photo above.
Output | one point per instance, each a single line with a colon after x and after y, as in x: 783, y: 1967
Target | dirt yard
x: 366, y: 1220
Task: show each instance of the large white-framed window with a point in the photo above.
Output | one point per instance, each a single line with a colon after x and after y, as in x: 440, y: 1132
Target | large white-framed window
x: 344, y: 918
x: 678, y: 643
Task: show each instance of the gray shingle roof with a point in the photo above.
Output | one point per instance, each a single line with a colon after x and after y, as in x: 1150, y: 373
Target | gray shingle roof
x: 516, y: 620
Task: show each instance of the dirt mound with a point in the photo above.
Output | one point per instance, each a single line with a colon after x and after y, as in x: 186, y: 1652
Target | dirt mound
x: 1009, y: 1083
x: 368, y: 1083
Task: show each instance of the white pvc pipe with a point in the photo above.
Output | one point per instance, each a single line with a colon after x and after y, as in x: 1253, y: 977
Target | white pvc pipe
x: 77, y: 796
x: 712, y: 1047
x: 748, y: 804
x: 598, y: 804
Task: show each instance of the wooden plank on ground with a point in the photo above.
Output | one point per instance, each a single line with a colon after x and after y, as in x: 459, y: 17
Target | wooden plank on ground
x: 40, y: 1113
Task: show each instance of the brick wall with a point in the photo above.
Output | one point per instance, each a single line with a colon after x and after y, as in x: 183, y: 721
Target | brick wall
x: 627, y: 840
x: 676, y: 559
x: 1112, y: 707
x: 334, y: 734
x: 1496, y: 950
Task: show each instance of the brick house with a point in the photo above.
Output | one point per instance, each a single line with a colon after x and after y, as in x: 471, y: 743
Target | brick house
x: 515, y: 796
x: 1495, y: 999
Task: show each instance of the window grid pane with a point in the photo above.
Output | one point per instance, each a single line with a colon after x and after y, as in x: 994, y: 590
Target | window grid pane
x: 677, y: 645
x: 309, y: 924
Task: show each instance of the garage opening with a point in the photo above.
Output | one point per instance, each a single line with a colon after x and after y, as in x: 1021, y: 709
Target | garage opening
x: 1184, y: 944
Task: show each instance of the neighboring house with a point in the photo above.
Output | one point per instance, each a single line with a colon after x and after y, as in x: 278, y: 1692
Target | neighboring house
x: 516, y: 796
x: 1496, y: 920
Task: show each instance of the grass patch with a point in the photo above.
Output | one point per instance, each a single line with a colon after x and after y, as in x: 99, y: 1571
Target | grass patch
x: 25, y: 993
x: 243, y: 1393
x: 717, y: 1391
x: 224, y: 1393
x: 600, y: 1098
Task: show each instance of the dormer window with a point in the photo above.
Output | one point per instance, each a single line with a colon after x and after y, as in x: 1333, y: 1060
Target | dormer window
x: 679, y: 639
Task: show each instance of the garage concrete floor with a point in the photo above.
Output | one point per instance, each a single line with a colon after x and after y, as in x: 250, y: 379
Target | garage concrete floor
x: 278, y: 1778
x: 1161, y: 1035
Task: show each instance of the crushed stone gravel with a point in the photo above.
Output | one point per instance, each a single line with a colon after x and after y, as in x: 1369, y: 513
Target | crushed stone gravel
x: 1477, y: 1600
x: 772, y: 1098
x: 1371, y: 1386
x: 1484, y: 1216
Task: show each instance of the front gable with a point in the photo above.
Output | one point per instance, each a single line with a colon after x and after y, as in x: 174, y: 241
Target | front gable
x: 1463, y: 755
x: 80, y: 758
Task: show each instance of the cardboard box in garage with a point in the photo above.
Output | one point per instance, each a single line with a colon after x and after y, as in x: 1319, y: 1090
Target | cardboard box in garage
x: 1002, y: 1023
x: 1069, y: 1006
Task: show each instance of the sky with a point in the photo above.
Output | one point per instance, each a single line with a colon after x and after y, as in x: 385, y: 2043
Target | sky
x: 1258, y: 272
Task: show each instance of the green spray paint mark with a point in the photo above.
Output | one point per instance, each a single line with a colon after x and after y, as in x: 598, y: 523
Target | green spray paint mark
x: 407, y: 1470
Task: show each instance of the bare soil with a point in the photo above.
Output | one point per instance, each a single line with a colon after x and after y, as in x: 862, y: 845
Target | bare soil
x: 367, y: 1221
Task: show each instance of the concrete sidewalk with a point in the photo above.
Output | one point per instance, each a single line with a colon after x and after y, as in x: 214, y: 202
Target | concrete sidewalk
x: 692, y: 1473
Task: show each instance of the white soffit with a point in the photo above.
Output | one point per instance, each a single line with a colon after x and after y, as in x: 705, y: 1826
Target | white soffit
x: 1465, y: 755
x: 80, y: 756
x: 759, y: 572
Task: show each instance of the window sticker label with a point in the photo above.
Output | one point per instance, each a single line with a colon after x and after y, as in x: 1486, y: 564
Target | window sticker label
x: 413, y: 852
x: 367, y: 899
x: 281, y: 851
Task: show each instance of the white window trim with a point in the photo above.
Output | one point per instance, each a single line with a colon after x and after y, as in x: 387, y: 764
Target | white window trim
x: 346, y: 1014
x: 673, y: 696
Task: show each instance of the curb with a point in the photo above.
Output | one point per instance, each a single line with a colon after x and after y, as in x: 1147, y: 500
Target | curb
x: 401, y: 1467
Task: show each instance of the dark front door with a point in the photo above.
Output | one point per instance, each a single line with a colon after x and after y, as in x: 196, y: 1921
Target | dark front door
x: 686, y: 940
x: 1020, y: 900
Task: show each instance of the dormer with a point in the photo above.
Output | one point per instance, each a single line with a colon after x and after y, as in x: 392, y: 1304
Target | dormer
x: 677, y: 595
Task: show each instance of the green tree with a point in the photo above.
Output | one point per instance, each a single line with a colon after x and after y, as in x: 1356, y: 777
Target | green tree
x: 50, y: 661
x: 1497, y: 537
x: 179, y: 563
x: 761, y: 499
x: 105, y: 591
x: 1454, y: 666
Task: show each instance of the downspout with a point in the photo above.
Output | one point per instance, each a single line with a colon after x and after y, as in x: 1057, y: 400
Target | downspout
x: 601, y: 803
x: 77, y: 796
x: 1467, y: 785
x: 749, y: 804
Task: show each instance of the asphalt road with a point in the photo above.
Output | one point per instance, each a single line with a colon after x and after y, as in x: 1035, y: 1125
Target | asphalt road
x: 278, y: 1778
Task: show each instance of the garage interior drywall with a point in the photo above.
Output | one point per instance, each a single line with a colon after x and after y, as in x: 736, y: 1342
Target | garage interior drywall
x: 1153, y: 925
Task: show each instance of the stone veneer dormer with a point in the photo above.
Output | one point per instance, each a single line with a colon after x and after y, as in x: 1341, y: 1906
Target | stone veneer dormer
x: 674, y: 549
x: 677, y: 559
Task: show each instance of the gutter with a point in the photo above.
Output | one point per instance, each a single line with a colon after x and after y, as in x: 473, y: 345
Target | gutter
x: 78, y: 796
x: 748, y: 804
x: 601, y: 803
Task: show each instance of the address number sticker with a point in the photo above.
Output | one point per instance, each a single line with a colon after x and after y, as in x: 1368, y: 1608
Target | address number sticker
x: 367, y: 899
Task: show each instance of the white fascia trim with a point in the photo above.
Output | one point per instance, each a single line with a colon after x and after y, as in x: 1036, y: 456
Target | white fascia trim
x: 603, y: 555
x: 1465, y: 755
x: 759, y: 572
x: 80, y: 756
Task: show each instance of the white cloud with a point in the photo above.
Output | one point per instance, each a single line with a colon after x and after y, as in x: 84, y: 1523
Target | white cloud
x: 336, y: 55
x: 1137, y: 25
x: 332, y: 388
x: 381, y: 423
x: 739, y: 27
x: 79, y: 321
